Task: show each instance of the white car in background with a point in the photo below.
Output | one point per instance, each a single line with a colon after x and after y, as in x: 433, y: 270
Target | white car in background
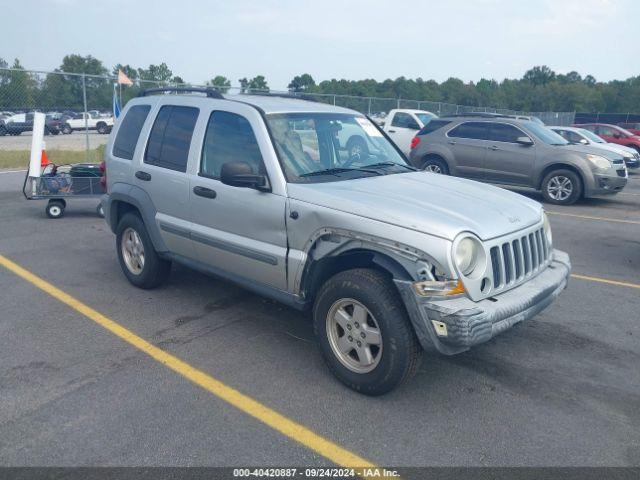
x: 585, y: 137
x: 403, y: 124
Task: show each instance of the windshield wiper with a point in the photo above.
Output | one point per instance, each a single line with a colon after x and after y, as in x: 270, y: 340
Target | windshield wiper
x: 391, y: 164
x: 336, y: 170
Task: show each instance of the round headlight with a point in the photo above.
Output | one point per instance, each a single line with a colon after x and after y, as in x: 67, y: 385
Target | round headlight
x: 466, y: 255
x: 547, y: 229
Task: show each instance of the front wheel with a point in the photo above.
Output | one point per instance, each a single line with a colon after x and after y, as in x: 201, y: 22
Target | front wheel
x: 562, y: 187
x: 139, y: 261
x: 365, y: 335
x: 66, y: 129
x: 102, y: 128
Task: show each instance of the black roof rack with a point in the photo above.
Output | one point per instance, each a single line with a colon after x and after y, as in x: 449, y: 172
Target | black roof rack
x: 293, y: 96
x: 211, y: 92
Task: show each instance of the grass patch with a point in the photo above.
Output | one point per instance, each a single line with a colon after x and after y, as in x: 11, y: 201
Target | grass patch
x: 20, y: 158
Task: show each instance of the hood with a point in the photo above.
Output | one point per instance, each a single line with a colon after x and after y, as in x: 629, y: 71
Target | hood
x: 593, y: 150
x: 433, y: 204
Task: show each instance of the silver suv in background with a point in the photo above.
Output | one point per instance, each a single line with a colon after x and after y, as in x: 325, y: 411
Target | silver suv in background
x: 506, y: 150
x: 583, y: 136
x: 391, y: 261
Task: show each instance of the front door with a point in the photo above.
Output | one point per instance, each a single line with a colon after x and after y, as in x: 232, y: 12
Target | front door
x: 508, y: 161
x: 239, y: 230
x: 402, y: 130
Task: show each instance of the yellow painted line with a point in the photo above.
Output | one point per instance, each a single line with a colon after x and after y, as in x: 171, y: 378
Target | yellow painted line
x: 289, y: 428
x: 605, y: 280
x: 589, y: 217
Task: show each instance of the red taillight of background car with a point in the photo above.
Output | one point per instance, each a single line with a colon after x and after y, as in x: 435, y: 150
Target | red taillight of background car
x: 414, y: 142
x: 103, y: 178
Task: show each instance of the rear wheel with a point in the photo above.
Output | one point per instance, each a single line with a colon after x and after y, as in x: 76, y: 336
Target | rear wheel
x: 100, y: 210
x: 435, y: 165
x: 364, y: 332
x: 55, y: 208
x: 3, y: 131
x: 139, y: 261
x: 562, y: 187
x: 66, y: 129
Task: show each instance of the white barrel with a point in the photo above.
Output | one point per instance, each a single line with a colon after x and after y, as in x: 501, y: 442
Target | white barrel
x: 37, y: 144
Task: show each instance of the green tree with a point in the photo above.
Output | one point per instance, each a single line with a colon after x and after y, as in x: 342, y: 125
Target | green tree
x: 258, y: 84
x: 156, y: 73
x: 221, y: 83
x: 301, y: 83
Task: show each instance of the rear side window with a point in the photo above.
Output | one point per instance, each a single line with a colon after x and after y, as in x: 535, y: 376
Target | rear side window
x: 472, y: 130
x: 502, y: 132
x: 129, y: 131
x: 170, y: 137
x: 433, y: 125
x: 229, y: 138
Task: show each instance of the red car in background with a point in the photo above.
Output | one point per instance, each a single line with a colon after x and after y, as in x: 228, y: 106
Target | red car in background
x: 632, y: 127
x: 613, y: 134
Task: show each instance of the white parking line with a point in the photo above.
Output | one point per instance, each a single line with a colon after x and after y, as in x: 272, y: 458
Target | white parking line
x: 12, y: 171
x: 589, y: 217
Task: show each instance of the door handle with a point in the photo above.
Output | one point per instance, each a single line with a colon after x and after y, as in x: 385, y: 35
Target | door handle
x: 143, y: 175
x: 493, y: 147
x: 392, y: 131
x: 452, y: 142
x: 204, y: 192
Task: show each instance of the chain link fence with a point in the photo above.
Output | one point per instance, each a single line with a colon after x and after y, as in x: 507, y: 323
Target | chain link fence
x: 79, y: 111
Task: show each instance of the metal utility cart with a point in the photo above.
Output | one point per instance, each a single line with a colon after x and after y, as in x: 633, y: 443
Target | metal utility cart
x: 59, y: 183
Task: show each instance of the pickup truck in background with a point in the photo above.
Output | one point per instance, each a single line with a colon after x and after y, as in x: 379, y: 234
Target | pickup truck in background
x: 94, y: 122
x: 400, y: 124
x: 403, y: 124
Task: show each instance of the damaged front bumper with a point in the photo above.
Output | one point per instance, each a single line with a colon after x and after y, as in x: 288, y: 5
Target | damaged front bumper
x: 453, y: 325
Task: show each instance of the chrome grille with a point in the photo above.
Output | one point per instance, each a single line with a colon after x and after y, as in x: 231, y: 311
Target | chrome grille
x: 518, y: 258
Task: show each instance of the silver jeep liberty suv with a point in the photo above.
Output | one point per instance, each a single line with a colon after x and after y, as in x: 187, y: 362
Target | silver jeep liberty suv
x: 260, y: 191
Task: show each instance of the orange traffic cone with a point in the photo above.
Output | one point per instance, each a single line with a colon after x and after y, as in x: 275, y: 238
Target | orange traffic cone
x: 44, y: 161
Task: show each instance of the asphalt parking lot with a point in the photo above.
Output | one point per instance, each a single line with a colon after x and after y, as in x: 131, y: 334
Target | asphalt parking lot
x: 73, y: 141
x: 560, y: 390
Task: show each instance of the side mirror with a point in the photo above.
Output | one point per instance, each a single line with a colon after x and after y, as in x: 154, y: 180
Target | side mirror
x: 584, y: 141
x: 239, y: 174
x: 524, y: 141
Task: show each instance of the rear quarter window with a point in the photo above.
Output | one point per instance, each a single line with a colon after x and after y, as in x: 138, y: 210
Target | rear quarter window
x: 433, y: 125
x: 127, y: 138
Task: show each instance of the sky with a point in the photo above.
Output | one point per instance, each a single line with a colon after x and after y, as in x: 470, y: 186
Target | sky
x: 352, y: 39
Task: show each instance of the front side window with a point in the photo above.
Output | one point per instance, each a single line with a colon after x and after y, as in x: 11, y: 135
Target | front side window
x: 127, y: 138
x: 470, y: 130
x: 321, y: 147
x: 402, y: 120
x: 589, y: 135
x: 503, y: 132
x: 229, y: 138
x: 170, y: 137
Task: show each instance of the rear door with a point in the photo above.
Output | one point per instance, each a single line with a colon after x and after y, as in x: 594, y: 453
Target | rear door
x: 163, y: 174
x: 241, y: 231
x: 468, y: 143
x: 402, y: 130
x: 507, y: 161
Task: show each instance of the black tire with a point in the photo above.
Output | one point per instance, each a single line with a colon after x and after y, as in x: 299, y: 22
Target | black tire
x: 554, y: 179
x: 3, y: 131
x: 55, y: 208
x: 100, y: 210
x: 102, y: 128
x: 66, y: 129
x: 435, y: 165
x: 155, y: 269
x: 356, y: 146
x: 400, y: 354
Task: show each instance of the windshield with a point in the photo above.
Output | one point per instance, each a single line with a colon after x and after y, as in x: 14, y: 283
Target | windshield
x: 589, y: 135
x: 544, y: 134
x: 321, y: 147
x: 425, y: 117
